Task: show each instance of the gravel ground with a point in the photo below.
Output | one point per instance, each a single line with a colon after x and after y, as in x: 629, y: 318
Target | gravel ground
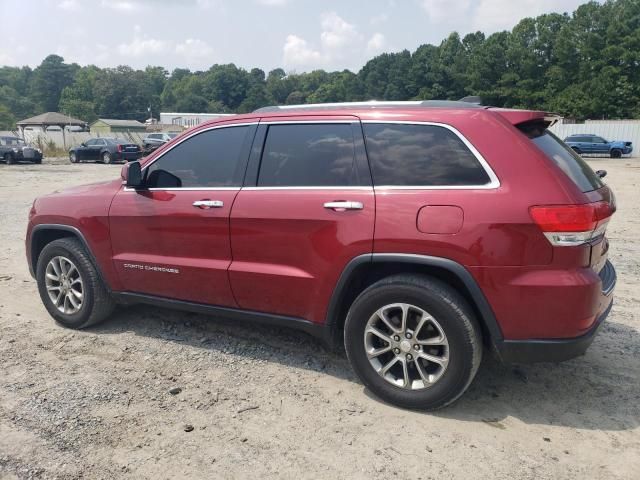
x: 160, y: 394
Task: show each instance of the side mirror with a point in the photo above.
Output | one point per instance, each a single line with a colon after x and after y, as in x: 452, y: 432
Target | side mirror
x: 601, y: 173
x: 83, y: 144
x: 132, y: 175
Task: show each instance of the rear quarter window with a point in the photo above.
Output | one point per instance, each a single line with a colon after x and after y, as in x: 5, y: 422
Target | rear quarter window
x: 420, y: 155
x: 563, y: 156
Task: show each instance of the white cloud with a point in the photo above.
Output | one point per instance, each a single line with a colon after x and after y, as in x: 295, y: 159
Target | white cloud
x: 121, y: 5
x: 142, y: 45
x: 448, y: 11
x: 493, y: 15
x: 490, y: 15
x: 69, y: 5
x: 377, y: 43
x: 378, y: 19
x: 194, y: 49
x: 339, y: 40
x: 6, y: 58
x: 336, y: 32
x: 273, y: 3
x: 297, y: 52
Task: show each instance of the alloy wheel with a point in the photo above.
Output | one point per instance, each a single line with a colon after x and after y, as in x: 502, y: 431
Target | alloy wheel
x: 64, y: 285
x: 406, y: 346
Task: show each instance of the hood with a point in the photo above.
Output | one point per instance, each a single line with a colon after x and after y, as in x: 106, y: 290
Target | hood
x: 90, y: 188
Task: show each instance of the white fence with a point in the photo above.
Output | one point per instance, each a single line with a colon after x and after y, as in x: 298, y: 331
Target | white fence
x: 70, y: 139
x: 623, y: 130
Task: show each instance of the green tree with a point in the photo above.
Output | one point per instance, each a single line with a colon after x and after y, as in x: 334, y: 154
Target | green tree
x: 49, y: 79
x: 7, y: 120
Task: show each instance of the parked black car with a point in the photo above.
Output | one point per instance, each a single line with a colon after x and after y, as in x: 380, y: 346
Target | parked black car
x: 106, y: 150
x: 15, y: 149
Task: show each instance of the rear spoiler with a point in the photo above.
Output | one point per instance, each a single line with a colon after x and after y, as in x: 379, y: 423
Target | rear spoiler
x: 517, y: 117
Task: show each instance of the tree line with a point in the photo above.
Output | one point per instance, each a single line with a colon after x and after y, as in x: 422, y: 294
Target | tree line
x: 582, y: 65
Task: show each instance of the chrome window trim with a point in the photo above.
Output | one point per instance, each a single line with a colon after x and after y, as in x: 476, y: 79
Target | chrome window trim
x: 187, y: 189
x: 359, y: 187
x: 494, y: 181
x: 307, y: 122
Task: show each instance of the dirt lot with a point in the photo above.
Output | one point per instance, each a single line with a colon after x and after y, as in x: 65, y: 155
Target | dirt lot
x: 271, y: 403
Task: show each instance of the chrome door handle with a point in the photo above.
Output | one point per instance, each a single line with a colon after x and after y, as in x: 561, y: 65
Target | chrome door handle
x: 205, y: 204
x: 343, y: 205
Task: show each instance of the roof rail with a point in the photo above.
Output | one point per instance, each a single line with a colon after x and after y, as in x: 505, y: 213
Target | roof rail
x: 371, y: 104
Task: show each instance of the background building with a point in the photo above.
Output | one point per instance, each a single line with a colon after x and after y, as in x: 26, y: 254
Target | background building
x: 188, y: 120
x: 105, y: 126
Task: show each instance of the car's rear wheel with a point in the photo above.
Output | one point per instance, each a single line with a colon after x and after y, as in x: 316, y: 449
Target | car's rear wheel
x: 70, y: 286
x: 37, y: 160
x: 106, y: 158
x: 413, y: 341
x: 73, y: 158
x: 615, y: 153
x: 9, y: 158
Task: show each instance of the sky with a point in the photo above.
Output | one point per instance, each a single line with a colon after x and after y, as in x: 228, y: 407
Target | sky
x: 297, y: 35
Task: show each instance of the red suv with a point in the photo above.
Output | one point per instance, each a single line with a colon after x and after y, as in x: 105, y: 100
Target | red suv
x: 414, y: 232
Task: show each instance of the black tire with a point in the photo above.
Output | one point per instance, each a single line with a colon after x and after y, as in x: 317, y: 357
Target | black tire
x: 37, y: 161
x: 615, y: 153
x: 97, y: 303
x: 73, y: 157
x: 9, y: 158
x: 577, y: 150
x: 455, y: 318
x: 107, y: 158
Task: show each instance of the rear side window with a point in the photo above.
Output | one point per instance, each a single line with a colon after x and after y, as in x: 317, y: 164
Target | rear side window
x: 312, y: 155
x: 563, y: 156
x: 420, y: 155
x: 208, y: 159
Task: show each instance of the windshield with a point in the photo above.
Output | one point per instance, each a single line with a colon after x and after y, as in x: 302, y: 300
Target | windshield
x: 563, y: 156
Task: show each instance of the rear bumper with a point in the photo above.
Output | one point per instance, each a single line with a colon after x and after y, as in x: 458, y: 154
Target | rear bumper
x: 129, y: 156
x: 558, y: 350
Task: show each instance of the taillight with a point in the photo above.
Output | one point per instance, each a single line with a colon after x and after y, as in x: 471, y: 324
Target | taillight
x: 119, y: 147
x: 571, y: 225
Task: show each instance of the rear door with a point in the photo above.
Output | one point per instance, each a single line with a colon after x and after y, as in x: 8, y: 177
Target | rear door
x: 600, y: 145
x: 307, y: 208
x: 93, y: 152
x: 172, y: 238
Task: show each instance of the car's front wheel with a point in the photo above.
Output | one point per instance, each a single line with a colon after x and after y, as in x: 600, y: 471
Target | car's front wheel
x: 69, y: 285
x: 616, y: 153
x: 9, y: 158
x: 413, y: 341
x: 73, y: 157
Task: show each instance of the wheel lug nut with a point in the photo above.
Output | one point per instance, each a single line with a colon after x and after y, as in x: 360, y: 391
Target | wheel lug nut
x: 408, y: 335
x: 416, y: 347
x: 396, y: 338
x: 409, y: 356
x: 396, y: 351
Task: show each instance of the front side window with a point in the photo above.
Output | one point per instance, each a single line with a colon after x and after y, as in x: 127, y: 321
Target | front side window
x: 311, y: 155
x: 208, y: 159
x: 420, y: 155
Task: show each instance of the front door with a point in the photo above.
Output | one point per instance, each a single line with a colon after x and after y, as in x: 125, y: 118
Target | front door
x: 171, y: 239
x: 308, y: 210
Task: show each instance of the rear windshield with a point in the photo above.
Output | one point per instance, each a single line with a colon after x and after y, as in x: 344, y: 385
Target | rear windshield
x: 563, y: 156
